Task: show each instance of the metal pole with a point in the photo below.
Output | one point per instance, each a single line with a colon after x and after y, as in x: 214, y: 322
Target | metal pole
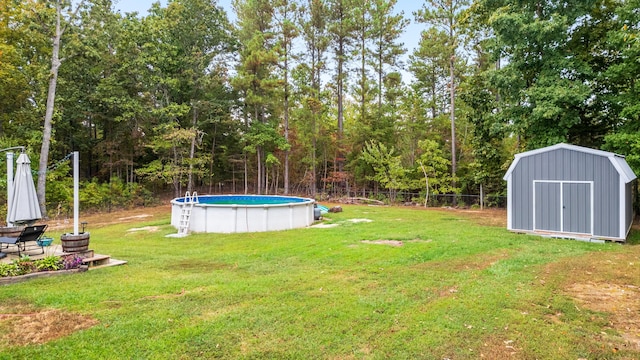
x: 76, y: 186
x: 9, y: 184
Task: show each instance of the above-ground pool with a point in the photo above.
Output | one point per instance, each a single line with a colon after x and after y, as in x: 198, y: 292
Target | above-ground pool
x: 244, y: 213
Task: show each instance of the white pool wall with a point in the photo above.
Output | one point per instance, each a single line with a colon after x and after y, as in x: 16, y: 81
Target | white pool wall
x: 224, y: 218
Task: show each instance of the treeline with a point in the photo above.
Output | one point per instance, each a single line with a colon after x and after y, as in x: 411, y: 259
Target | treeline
x: 314, y: 97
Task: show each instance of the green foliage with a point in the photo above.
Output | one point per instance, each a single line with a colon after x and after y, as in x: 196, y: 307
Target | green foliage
x: 626, y: 144
x: 49, y: 263
x: 23, y: 265
x: 8, y: 269
x: 435, y: 168
x: 114, y: 194
x: 387, y: 168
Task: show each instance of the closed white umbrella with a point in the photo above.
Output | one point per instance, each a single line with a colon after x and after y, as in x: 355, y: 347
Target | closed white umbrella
x: 24, y: 207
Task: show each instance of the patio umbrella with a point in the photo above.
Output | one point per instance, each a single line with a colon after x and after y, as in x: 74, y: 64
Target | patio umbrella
x: 24, y: 204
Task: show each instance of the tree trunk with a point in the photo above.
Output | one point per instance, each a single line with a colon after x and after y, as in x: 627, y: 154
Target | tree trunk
x: 193, y: 150
x: 177, y: 189
x: 259, y: 170
x: 48, y: 117
x: 426, y: 180
x: 452, y: 110
x: 286, y: 123
x: 246, y: 175
x: 340, y: 112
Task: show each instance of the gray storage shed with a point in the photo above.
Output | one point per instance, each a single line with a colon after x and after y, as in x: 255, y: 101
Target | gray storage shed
x: 570, y: 191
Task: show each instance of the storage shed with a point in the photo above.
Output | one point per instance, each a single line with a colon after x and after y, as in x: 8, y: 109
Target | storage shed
x: 570, y: 191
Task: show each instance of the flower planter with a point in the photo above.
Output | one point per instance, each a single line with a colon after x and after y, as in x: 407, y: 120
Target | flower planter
x: 11, y: 231
x: 75, y: 243
x: 20, y: 278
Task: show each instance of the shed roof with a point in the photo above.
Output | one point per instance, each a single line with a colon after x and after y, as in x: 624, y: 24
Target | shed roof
x: 618, y: 161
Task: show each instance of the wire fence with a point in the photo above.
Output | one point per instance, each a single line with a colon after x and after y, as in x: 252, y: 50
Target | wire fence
x: 401, y: 197
x: 434, y: 200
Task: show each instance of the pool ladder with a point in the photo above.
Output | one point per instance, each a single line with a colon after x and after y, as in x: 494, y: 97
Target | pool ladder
x: 185, y: 213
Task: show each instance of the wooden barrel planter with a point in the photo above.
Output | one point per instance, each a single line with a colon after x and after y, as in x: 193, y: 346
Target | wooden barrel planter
x: 10, y: 231
x: 75, y: 243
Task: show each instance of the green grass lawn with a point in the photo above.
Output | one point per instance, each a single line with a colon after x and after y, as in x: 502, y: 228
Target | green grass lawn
x: 454, y: 289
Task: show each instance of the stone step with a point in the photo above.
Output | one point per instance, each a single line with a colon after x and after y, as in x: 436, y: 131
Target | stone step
x: 96, y: 260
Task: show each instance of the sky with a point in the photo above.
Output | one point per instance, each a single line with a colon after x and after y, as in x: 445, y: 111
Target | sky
x: 410, y: 38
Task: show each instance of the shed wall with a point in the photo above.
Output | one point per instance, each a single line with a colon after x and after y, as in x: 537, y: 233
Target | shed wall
x: 628, y: 206
x: 568, y: 165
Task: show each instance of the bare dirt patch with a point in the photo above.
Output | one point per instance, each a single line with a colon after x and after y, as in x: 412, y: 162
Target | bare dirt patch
x: 22, y: 326
x: 355, y: 221
x: 145, y: 228
x: 396, y: 243
x: 621, y: 301
x: 488, y: 217
x: 324, y: 226
x: 497, y: 349
x: 607, y: 283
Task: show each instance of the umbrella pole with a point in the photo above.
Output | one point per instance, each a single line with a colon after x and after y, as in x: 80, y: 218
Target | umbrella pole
x: 9, y: 183
x: 76, y: 187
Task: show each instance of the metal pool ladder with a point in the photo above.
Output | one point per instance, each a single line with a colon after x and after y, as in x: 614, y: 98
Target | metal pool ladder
x: 185, y: 214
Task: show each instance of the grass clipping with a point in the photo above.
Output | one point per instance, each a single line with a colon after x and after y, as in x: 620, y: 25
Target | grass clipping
x: 21, y: 326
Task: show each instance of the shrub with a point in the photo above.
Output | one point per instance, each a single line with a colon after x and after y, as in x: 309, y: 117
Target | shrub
x: 25, y: 265
x: 49, y: 263
x: 10, y: 269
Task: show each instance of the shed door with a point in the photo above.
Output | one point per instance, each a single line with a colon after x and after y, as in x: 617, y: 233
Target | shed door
x: 547, y: 206
x: 576, y: 206
x: 563, y: 206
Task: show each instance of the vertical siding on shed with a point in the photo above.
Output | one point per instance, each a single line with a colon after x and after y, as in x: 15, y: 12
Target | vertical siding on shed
x: 547, y: 217
x: 568, y: 165
x: 628, y: 208
x: 577, y: 207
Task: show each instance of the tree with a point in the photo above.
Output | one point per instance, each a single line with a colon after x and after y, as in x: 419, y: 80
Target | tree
x: 387, y: 168
x: 386, y: 30
x: 182, y: 47
x: 546, y: 83
x: 308, y: 80
x: 623, y: 41
x: 435, y: 168
x: 341, y: 28
x: 363, y: 90
x: 286, y: 13
x: 446, y: 16
x: 256, y: 79
x: 430, y: 69
x: 24, y: 50
x: 56, y: 61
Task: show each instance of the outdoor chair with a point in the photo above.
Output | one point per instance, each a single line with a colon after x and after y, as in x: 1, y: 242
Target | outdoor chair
x: 28, y: 234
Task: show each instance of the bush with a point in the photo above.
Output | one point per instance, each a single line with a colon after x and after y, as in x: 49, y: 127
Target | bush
x: 114, y: 194
x: 8, y: 269
x: 49, y: 263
